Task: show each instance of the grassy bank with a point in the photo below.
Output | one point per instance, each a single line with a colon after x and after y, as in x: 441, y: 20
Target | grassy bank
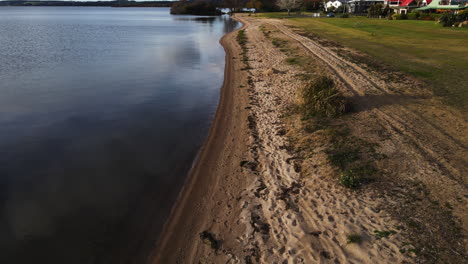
x: 423, y: 49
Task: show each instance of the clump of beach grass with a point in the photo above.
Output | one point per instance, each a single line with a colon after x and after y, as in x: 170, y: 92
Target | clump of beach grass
x: 209, y: 239
x: 383, y: 234
x: 292, y: 60
x: 321, y: 98
x: 242, y: 40
x: 353, y: 238
x: 241, y: 37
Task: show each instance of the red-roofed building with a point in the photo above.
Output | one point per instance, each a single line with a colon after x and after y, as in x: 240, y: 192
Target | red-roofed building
x: 404, y: 6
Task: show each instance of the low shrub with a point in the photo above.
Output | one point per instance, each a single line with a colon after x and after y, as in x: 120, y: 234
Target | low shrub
x: 447, y: 19
x: 396, y: 17
x: 321, y: 98
x: 399, y: 16
x: 435, y: 16
x: 425, y: 17
x: 414, y: 15
x: 346, y: 15
x: 462, y: 15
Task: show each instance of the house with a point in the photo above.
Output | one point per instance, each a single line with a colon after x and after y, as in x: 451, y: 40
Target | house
x: 443, y: 5
x: 361, y: 6
x: 332, y: 5
x: 404, y: 6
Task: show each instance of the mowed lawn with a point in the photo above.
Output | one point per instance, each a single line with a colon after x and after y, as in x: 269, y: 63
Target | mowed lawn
x: 423, y: 49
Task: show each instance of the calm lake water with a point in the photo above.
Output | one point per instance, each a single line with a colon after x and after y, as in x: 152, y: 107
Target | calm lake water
x: 102, y: 111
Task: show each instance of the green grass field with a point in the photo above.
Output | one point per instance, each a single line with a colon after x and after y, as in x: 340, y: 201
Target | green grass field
x: 423, y: 49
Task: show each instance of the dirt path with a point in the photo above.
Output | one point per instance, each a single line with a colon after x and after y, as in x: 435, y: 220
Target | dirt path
x: 248, y: 201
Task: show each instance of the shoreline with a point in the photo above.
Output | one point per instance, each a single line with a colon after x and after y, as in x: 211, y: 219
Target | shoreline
x: 264, y: 188
x: 206, y: 154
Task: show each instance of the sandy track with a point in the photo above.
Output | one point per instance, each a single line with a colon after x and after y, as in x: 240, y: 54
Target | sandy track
x: 361, y: 83
x: 308, y: 218
x: 440, y: 142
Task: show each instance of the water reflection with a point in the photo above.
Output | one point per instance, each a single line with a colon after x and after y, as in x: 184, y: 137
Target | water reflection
x: 204, y: 20
x: 102, y: 111
x: 229, y: 24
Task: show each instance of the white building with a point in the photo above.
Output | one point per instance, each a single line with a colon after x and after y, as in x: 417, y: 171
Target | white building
x: 331, y: 4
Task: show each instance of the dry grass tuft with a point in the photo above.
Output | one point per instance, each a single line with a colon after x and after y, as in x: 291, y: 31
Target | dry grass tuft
x: 321, y: 98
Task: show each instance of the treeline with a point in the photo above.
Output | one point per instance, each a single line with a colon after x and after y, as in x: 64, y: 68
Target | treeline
x: 212, y: 7
x: 96, y: 3
x: 199, y: 8
x: 206, y: 7
x: 143, y: 4
x: 272, y: 5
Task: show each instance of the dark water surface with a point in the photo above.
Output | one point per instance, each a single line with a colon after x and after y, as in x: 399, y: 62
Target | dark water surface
x: 102, y: 111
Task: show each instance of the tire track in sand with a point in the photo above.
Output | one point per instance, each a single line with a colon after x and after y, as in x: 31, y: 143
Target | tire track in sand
x: 359, y: 82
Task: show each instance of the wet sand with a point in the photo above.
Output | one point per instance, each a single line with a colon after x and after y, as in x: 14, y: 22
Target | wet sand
x: 218, y: 161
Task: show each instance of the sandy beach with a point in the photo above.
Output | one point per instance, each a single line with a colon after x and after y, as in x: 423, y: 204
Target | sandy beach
x: 263, y: 191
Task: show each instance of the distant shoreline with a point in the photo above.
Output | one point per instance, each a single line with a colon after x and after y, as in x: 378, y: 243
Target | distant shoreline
x: 88, y: 4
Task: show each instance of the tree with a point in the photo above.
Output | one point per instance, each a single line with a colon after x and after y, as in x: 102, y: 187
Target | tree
x: 375, y: 10
x: 234, y: 5
x: 289, y: 4
x: 270, y: 6
x: 312, y: 5
x: 387, y: 11
x: 254, y: 4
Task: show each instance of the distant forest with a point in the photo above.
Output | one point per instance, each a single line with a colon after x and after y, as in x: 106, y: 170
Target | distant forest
x: 195, y: 7
x: 96, y: 3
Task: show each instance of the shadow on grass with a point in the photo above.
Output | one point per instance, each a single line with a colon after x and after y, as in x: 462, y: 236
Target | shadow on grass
x: 369, y: 102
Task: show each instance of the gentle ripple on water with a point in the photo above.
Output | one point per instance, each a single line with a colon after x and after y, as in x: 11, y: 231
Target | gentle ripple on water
x: 101, y: 113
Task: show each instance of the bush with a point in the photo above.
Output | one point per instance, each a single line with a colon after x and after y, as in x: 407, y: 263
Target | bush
x: 435, y: 16
x: 396, y: 17
x: 425, y: 17
x: 322, y: 98
x: 345, y: 15
x: 462, y: 15
x: 404, y: 16
x: 447, y: 19
x: 414, y: 15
